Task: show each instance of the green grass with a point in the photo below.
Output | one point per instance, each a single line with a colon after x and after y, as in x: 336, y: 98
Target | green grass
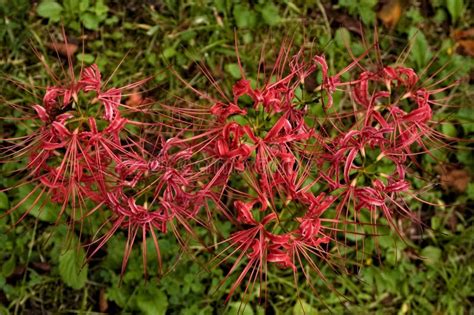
x: 429, y: 274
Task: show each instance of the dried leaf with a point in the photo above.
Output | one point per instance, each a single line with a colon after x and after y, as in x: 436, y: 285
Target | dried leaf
x: 463, y: 34
x: 466, y: 47
x: 390, y: 13
x: 339, y: 18
x: 41, y: 266
x: 464, y: 41
x: 63, y: 49
x: 453, y: 179
x: 103, y: 303
x: 134, y: 98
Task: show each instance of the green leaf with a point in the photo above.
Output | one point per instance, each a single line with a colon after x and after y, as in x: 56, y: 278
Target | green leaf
x: 3, y: 282
x: 101, y: 10
x: 414, y: 15
x: 38, y: 206
x: 6, y: 169
x: 342, y: 37
x: 111, y: 20
x: 449, y: 129
x: 83, y: 5
x: 244, y: 18
x: 455, y: 9
x: 466, y: 117
x: 86, y: 58
x: 169, y: 52
x: 90, y: 21
x: 431, y: 254
x: 436, y: 223
x: 153, y: 30
x: 118, y: 295
x: 303, y: 308
x: 420, y: 50
x: 152, y: 301
x: 71, y: 268
x: 386, y: 241
x: 368, y: 16
x: 9, y: 266
x: 233, y: 69
x: 440, y: 16
x: 238, y: 308
x: 50, y: 9
x: 4, y: 203
x: 270, y: 14
x: 470, y: 191
x: 70, y: 6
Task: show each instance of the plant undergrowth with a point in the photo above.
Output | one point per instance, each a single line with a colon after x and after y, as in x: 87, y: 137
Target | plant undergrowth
x: 224, y: 157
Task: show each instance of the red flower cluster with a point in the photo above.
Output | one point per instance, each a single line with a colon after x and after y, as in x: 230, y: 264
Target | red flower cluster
x: 298, y: 183
x: 292, y: 182
x: 74, y: 141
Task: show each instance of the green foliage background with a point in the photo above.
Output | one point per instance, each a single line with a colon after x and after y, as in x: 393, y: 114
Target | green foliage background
x: 41, y: 273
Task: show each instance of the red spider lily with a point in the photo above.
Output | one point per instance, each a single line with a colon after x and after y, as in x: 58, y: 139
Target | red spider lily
x: 291, y: 183
x: 229, y: 145
x: 282, y: 159
x: 151, y: 195
x: 260, y: 246
x: 91, y: 79
x: 222, y: 111
x: 68, y: 155
x: 252, y: 243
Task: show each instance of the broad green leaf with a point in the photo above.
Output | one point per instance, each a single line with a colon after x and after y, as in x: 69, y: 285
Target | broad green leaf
x: 90, y: 21
x: 270, y: 14
x: 244, y: 17
x: 436, y: 223
x: 83, y: 5
x: 466, y: 118
x: 196, y: 309
x: 414, y: 14
x: 117, y: 295
x: 9, y: 266
x: 368, y: 3
x: 420, y: 50
x: 386, y: 241
x: 70, y: 6
x: 238, y: 308
x: 470, y: 191
x: 440, y: 16
x: 3, y: 282
x: 368, y: 16
x: 101, y: 10
x: 449, y: 129
x: 38, y: 206
x: 111, y: 20
x: 303, y: 308
x: 86, y: 58
x: 71, y: 268
x: 455, y: 9
x: 152, y: 301
x: 393, y: 256
x: 4, y: 203
x: 50, y: 9
x: 169, y: 52
x: 431, y: 254
x: 6, y: 171
x: 233, y: 69
x: 342, y: 37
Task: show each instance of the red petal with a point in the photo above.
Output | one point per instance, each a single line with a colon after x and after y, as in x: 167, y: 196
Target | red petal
x: 42, y: 114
